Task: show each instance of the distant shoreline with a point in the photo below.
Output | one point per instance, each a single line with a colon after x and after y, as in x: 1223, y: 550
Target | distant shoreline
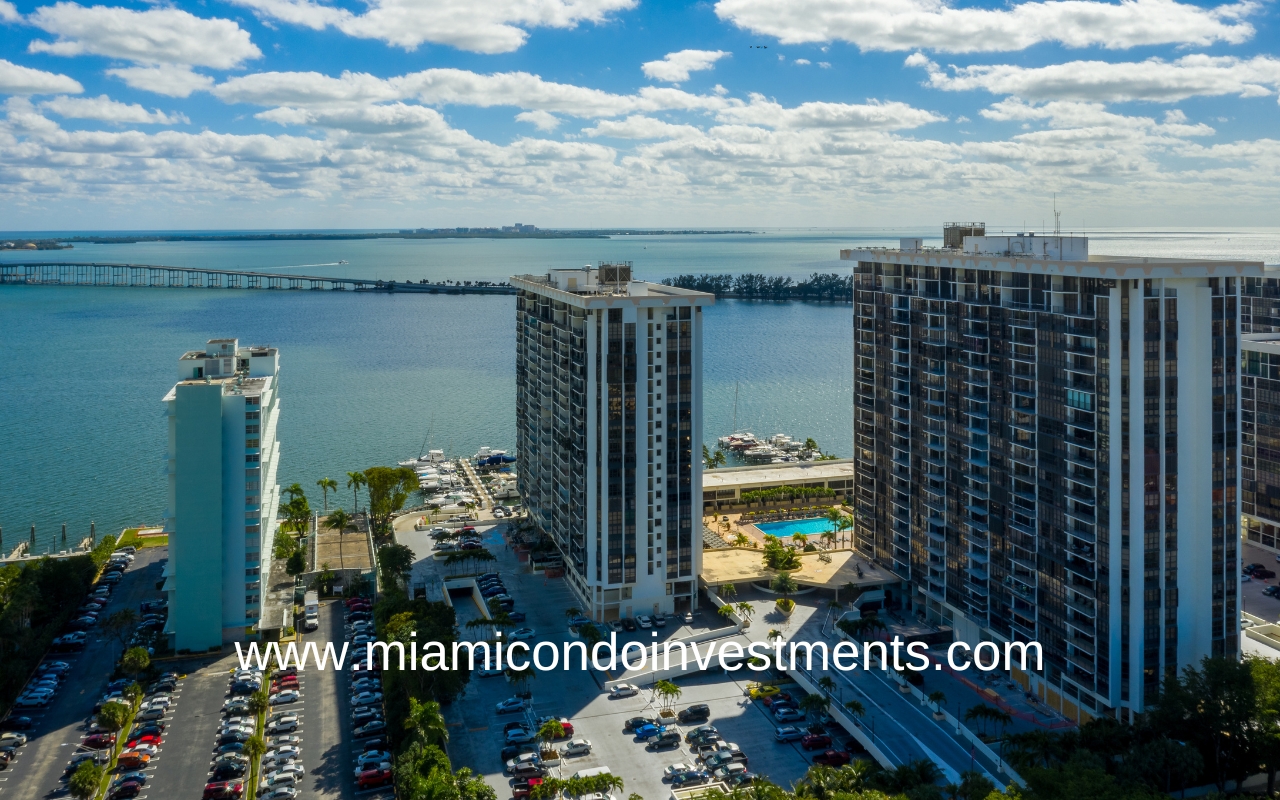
x: 63, y: 243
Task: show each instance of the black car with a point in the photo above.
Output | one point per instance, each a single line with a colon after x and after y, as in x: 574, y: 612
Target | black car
x: 243, y: 687
x: 695, y: 713
x: 365, y: 716
x: 511, y: 751
x: 1271, y: 591
x: 356, y: 616
x: 226, y: 771
x: 228, y: 738
x: 637, y: 722
x: 149, y: 729
x: 17, y: 724
x: 517, y: 616
x: 628, y: 624
x: 664, y: 741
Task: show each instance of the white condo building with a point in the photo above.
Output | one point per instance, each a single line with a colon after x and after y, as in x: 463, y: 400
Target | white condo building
x: 221, y: 461
x: 609, y: 433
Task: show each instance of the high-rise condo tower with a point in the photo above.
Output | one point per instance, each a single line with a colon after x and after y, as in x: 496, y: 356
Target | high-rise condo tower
x: 1047, y: 447
x: 609, y: 433
x: 221, y: 461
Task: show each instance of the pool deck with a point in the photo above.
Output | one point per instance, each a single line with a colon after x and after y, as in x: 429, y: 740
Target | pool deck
x: 755, y: 536
x: 839, y: 568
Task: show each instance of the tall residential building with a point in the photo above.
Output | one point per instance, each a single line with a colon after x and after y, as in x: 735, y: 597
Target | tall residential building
x: 1047, y: 447
x: 1260, y: 411
x: 222, y: 459
x: 608, y: 430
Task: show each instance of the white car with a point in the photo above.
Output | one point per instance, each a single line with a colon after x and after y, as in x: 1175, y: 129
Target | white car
x: 9, y: 737
x: 519, y: 736
x: 277, y: 779
x: 291, y: 769
x: 287, y: 696
x: 511, y: 704
x: 269, y: 761
x: 676, y: 769
x: 161, y: 700
x: 236, y: 704
x: 577, y: 747
x: 374, y: 755
x: 366, y: 698
x: 283, y: 725
x: 151, y: 713
x: 287, y: 751
x: 286, y: 741
x: 644, y: 621
x: 488, y: 673
x: 522, y: 634
x: 280, y: 793
x: 367, y: 685
x: 624, y: 690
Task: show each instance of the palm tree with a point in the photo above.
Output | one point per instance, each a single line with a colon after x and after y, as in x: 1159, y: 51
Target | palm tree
x: 855, y: 709
x: 826, y: 684
x: 550, y: 730
x: 426, y: 722
x: 668, y: 693
x: 294, y: 491
x: 327, y: 484
x: 725, y: 610
x: 727, y: 591
x: 774, y: 634
x: 741, y: 540
x: 800, y: 539
x: 784, y: 585
x: 829, y: 537
x: 259, y: 702
x: 354, y: 481
x: 254, y: 749
x: 814, y: 703
x: 846, y: 524
x: 745, y: 610
x: 938, y: 699
x: 571, y: 612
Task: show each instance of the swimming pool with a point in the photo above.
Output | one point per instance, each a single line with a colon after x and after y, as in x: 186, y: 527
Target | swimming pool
x: 809, y: 527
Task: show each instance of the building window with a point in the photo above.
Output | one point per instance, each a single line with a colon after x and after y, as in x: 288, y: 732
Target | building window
x: 251, y: 443
x: 252, y: 429
x: 251, y: 459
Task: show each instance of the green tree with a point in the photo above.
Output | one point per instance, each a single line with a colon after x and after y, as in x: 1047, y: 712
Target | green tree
x: 855, y: 709
x: 785, y: 586
x: 668, y: 693
x: 327, y: 485
x: 938, y: 699
x: 813, y: 704
x: 425, y: 722
x: 85, y: 780
x: 296, y: 513
x: 297, y: 564
x: 745, y: 610
x: 354, y: 481
x: 572, y: 612
x: 135, y: 661
x: 283, y: 545
x: 1211, y: 707
x: 121, y: 625
x: 395, y: 561
x: 133, y: 693
x: 113, y: 716
x: 389, y: 488
x: 826, y: 684
x: 255, y: 748
x: 727, y: 591
x: 259, y: 702
x: 548, y: 732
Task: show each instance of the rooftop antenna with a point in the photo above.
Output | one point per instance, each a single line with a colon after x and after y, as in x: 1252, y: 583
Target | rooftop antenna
x: 1057, y: 217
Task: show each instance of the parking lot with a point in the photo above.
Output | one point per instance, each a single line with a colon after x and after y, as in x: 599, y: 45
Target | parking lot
x: 58, y: 731
x: 476, y: 735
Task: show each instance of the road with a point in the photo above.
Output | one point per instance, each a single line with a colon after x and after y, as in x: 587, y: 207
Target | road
x: 35, y: 773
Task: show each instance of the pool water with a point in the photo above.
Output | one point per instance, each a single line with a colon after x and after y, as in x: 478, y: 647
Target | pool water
x: 809, y: 527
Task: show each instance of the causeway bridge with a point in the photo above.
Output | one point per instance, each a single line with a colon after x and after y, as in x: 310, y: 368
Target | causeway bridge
x: 165, y: 277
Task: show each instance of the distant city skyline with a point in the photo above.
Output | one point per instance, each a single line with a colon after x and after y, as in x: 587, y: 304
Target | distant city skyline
x: 609, y: 113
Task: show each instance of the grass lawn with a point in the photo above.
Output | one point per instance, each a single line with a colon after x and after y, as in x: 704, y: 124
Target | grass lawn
x: 131, y: 537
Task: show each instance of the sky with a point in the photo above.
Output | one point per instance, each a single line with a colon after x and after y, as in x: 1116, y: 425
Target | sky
x: 588, y: 113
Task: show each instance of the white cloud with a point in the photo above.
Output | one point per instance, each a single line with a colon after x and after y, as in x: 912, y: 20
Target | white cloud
x: 155, y: 36
x: 9, y: 12
x: 107, y: 110
x: 804, y: 61
x: 1154, y: 80
x: 1093, y: 117
x: 675, y: 67
x: 542, y: 120
x: 169, y: 79
x: 17, y: 79
x: 935, y: 25
x: 494, y: 26
x: 824, y: 64
x: 641, y: 127
x: 455, y: 87
x: 873, y: 115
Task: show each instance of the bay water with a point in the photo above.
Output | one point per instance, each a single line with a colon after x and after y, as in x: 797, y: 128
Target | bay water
x: 371, y: 379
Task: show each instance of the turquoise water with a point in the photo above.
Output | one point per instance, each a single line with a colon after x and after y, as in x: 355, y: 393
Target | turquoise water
x: 809, y: 527
x: 367, y: 379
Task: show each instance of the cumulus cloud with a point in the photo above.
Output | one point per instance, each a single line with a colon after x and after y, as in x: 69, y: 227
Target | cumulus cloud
x: 17, y: 79
x: 935, y: 25
x: 107, y: 110
x: 641, y: 127
x: 806, y: 62
x: 542, y: 120
x: 675, y: 67
x: 456, y: 87
x: 171, y: 80
x: 1154, y: 79
x: 155, y: 36
x: 873, y: 115
x: 495, y: 26
x: 8, y: 12
x: 1093, y: 117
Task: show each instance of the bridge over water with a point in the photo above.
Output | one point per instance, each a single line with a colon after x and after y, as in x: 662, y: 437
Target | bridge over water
x: 166, y: 277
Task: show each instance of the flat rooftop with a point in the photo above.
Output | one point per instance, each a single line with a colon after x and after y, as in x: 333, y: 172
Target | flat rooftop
x: 606, y: 295
x: 1095, y: 266
x: 745, y: 564
x: 789, y: 473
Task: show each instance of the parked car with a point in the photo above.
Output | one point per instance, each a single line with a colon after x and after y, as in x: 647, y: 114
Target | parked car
x: 366, y: 698
x: 660, y: 620
x: 99, y: 741
x: 635, y: 722
x: 510, y: 706
x: 700, y: 712
x: 223, y: 790
x: 701, y: 732
x: 694, y: 777
x: 676, y: 769
x: 645, y: 731
x: 816, y: 741
x: 519, y: 735
x: 788, y: 715
x: 664, y: 741
x: 285, y: 697
x: 577, y: 747
x: 730, y: 773
x: 644, y: 621
x: 628, y: 624
x: 832, y: 758
x: 623, y: 690
x: 369, y: 728
x: 788, y: 733
x: 761, y: 691
x: 374, y: 778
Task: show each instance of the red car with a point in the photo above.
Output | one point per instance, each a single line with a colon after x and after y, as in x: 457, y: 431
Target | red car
x: 223, y: 790
x: 815, y: 741
x: 150, y: 738
x: 100, y: 741
x: 832, y: 758
x: 523, y: 788
x: 373, y: 778
x: 284, y: 683
x: 769, y: 701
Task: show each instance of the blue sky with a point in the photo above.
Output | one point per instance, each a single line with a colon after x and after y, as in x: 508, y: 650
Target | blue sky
x: 388, y: 113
